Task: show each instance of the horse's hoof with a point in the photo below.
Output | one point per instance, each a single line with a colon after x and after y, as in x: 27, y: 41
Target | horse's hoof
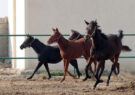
x: 89, y: 77
x: 62, y: 80
x: 29, y: 78
x: 85, y: 79
x: 107, y: 84
x: 94, y: 87
x: 80, y: 74
x: 100, y: 81
x: 49, y: 77
x: 74, y: 77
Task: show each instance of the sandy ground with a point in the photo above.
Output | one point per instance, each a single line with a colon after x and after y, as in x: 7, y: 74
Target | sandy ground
x: 12, y: 84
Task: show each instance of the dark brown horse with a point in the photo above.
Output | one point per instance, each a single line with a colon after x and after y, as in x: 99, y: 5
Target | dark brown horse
x: 70, y: 49
x: 76, y: 36
x: 104, y: 47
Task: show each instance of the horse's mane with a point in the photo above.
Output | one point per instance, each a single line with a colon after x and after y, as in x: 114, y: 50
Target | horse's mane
x: 102, y: 34
x: 40, y: 44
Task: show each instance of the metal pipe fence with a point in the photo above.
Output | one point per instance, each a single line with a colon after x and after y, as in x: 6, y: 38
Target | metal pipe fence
x: 45, y: 35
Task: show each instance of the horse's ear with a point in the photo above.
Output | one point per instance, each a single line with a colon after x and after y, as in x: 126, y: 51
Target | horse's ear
x: 95, y: 21
x: 57, y: 30
x: 28, y: 35
x: 53, y: 29
x: 72, y: 30
x: 86, y: 22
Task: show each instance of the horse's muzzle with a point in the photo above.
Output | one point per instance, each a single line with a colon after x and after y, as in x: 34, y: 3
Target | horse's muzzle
x: 21, y: 47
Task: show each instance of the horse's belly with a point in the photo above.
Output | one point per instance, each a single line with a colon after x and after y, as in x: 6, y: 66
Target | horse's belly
x: 72, y: 55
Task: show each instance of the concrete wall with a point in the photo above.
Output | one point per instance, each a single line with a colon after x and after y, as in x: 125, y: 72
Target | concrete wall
x: 112, y: 15
x: 3, y: 40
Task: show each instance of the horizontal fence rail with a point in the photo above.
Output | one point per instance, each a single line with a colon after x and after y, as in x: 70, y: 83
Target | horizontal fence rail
x: 37, y: 57
x: 42, y: 35
x: 16, y: 35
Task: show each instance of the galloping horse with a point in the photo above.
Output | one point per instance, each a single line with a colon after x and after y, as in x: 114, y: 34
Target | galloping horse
x: 70, y: 50
x: 76, y: 36
x: 104, y: 47
x: 46, y: 54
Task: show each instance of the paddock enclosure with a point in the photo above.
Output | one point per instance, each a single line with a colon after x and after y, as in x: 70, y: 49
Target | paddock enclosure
x: 37, y: 18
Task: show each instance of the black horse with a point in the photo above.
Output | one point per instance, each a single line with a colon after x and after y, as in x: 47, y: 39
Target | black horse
x: 104, y: 47
x: 46, y: 54
x: 76, y: 35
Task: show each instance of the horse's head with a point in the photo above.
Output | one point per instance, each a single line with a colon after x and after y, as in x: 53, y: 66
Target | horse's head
x: 91, y: 27
x: 28, y: 42
x: 54, y: 37
x: 75, y: 35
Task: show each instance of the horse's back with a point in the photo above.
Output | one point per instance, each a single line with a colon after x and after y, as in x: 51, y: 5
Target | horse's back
x: 52, y: 54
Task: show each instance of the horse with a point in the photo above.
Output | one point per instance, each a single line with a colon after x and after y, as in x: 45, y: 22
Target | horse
x: 104, y: 47
x: 75, y: 35
x: 70, y: 50
x: 46, y: 54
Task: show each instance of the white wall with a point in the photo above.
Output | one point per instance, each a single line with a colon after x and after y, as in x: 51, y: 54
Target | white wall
x: 16, y: 13
x: 112, y: 15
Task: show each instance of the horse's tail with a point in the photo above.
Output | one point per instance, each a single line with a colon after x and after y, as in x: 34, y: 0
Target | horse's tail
x: 125, y: 48
x: 121, y: 34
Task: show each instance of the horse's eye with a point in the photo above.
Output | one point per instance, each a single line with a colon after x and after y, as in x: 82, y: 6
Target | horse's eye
x: 87, y: 28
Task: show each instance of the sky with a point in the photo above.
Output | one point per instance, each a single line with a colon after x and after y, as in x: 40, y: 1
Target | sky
x: 3, y: 8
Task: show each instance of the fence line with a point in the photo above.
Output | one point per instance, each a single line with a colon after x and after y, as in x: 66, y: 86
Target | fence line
x: 21, y: 35
x: 16, y: 35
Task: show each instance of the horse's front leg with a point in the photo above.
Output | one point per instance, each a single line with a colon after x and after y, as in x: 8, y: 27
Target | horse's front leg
x: 47, y: 69
x: 117, y: 67
x: 98, y: 74
x: 112, y: 69
x: 38, y: 66
x: 86, y: 69
x: 65, y: 70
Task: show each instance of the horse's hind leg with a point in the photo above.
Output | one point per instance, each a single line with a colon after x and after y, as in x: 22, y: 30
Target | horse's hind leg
x: 117, y: 67
x: 66, y: 66
x: 47, y: 69
x: 38, y: 66
x: 75, y: 65
x: 112, y: 69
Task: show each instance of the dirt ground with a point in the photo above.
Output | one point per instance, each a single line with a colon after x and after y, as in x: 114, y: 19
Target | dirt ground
x: 13, y: 84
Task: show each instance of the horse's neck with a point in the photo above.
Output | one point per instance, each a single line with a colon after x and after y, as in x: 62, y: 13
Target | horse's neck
x: 99, y: 41
x: 63, y: 43
x: 37, y: 46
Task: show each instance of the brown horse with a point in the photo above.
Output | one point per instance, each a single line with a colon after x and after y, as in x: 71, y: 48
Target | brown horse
x: 104, y: 47
x: 70, y: 49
